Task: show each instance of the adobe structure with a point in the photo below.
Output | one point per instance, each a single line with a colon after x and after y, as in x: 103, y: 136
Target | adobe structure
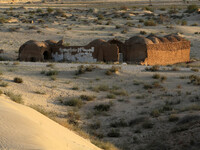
x: 37, y: 51
x: 153, y: 50
x: 97, y: 50
x: 150, y: 50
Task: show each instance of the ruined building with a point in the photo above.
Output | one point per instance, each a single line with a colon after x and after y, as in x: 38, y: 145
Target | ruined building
x: 150, y: 50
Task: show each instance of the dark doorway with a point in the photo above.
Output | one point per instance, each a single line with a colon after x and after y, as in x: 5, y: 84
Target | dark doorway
x: 46, y: 55
x: 33, y: 59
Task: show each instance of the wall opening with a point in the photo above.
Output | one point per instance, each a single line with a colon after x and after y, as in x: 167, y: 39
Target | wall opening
x: 33, y: 59
x: 46, y: 55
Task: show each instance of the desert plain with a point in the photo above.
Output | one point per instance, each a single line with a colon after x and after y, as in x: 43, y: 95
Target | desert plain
x: 113, y: 106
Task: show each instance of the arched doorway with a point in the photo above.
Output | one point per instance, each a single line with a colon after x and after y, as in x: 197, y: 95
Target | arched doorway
x: 46, y: 55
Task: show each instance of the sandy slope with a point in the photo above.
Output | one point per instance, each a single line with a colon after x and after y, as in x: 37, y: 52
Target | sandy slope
x: 24, y: 128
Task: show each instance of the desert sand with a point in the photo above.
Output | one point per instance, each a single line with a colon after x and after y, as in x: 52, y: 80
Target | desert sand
x: 24, y: 128
x: 133, y: 108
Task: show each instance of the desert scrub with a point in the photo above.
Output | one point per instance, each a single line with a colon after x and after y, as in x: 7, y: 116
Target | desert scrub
x: 192, y: 8
x: 73, y: 118
x: 18, y: 80
x: 156, y: 76
x: 121, y: 92
x: 173, y: 118
x: 195, y: 69
x: 155, y: 113
x: 75, y: 88
x: 113, y: 69
x: 147, y: 124
x: 14, y: 97
x: 147, y: 86
x: 95, y: 125
x: 113, y: 133
x: 175, y: 69
x: 50, y: 65
x: 52, y: 115
x: 194, y: 107
x: 194, y: 79
x: 153, y: 68
x: 119, y: 123
x: 50, y: 10
x: 136, y: 121
x: 74, y: 101
x: 150, y: 23
x: 143, y: 32
x: 82, y: 69
x: 102, y: 107
x: 39, y: 92
x: 3, y: 20
x: 51, y: 73
x: 111, y: 96
x: 87, y: 97
x: 163, y: 78
x: 3, y: 84
x: 183, y: 22
x: 101, y: 87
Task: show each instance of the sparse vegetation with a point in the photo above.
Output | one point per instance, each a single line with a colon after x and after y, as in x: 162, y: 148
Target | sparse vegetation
x: 3, y: 84
x: 87, y: 97
x: 102, y: 107
x: 156, y: 76
x: 153, y: 68
x: 113, y: 133
x: 150, y: 23
x: 18, y: 80
x: 73, y: 102
x: 173, y: 118
x: 52, y: 73
x: 15, y: 97
x: 113, y: 69
x: 192, y: 8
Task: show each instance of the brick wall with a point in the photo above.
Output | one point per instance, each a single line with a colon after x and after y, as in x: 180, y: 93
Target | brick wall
x: 167, y: 53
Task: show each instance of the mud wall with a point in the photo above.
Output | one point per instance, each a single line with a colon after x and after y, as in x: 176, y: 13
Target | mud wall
x: 168, y: 53
x: 107, y: 53
x: 135, y: 53
x: 74, y: 54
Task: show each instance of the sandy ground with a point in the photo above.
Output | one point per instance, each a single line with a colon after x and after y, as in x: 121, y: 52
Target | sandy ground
x: 140, y: 107
x: 24, y: 128
x: 173, y: 96
x: 79, y: 26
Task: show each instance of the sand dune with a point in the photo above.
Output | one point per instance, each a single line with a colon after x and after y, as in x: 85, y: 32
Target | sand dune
x: 24, y: 128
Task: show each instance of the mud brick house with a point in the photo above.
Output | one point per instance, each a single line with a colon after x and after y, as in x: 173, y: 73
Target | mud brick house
x: 150, y: 50
x: 97, y: 50
x: 153, y: 50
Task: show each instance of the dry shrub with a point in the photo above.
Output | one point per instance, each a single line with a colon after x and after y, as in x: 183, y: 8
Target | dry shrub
x: 113, y: 69
x: 18, y: 80
x: 150, y: 23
